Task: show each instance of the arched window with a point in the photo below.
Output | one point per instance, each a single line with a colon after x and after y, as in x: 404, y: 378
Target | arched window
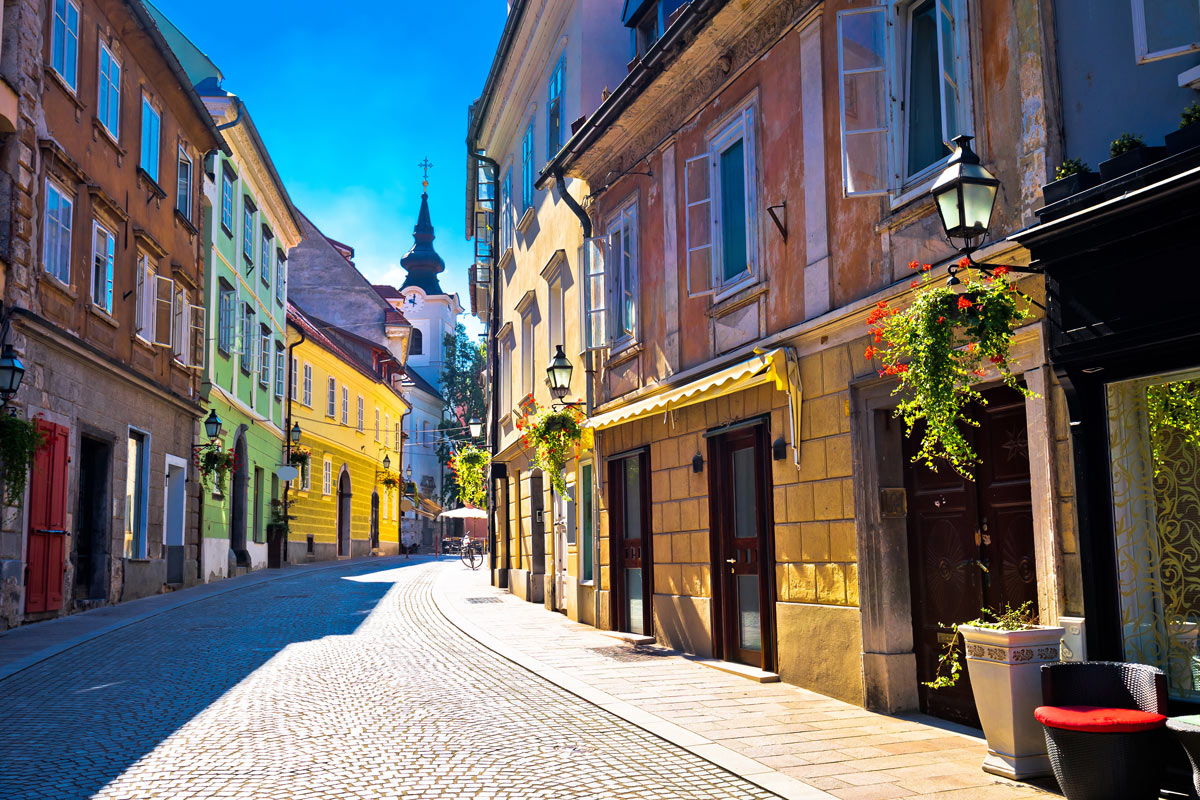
x: 417, y: 346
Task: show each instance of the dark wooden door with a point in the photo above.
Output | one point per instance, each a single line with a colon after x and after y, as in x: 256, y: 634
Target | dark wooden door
x: 970, y: 543
x: 632, y: 560
x: 47, y: 521
x: 741, y: 555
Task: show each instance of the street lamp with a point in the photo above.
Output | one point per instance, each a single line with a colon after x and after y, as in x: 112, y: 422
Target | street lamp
x: 408, y: 473
x: 559, y: 374
x: 387, y: 463
x: 212, y: 425
x: 11, y: 373
x: 965, y: 194
x: 475, y: 427
x: 294, y: 433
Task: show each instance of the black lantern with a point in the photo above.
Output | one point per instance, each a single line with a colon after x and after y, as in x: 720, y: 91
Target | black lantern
x: 294, y: 433
x: 387, y: 463
x: 212, y: 425
x: 965, y: 194
x: 475, y: 426
x: 408, y: 473
x: 11, y: 373
x: 559, y: 374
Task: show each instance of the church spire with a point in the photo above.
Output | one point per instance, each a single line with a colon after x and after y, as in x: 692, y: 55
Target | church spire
x: 422, y: 262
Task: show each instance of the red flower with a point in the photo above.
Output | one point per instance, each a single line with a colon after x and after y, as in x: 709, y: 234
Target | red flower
x: 878, y: 337
x: 915, y: 284
x: 964, y: 302
x: 914, y: 265
x: 997, y: 359
x: 1002, y: 270
x: 927, y: 267
x: 941, y: 320
x: 980, y: 373
x: 964, y: 263
x: 870, y: 352
x: 971, y: 347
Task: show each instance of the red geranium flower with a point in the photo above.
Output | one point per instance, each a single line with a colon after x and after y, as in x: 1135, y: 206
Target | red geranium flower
x: 1001, y: 270
x: 964, y: 302
x: 870, y: 352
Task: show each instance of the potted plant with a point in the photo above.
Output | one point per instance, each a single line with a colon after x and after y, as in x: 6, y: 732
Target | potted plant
x: 300, y: 457
x: 1128, y: 153
x: 215, y: 465
x: 553, y: 435
x: 1072, y: 177
x: 939, y: 346
x: 1005, y: 652
x: 390, y: 481
x: 1188, y: 135
x: 278, y: 525
x: 19, y: 442
x: 469, y: 466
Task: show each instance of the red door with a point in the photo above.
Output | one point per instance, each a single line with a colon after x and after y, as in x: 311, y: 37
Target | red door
x: 47, y: 521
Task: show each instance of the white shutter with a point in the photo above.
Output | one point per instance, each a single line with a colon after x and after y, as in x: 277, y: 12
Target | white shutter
x: 862, y: 78
x: 595, y: 295
x: 948, y: 63
x: 697, y: 224
x: 145, y: 304
x: 629, y: 265
x: 179, y: 340
x: 197, y: 335
x: 163, y: 311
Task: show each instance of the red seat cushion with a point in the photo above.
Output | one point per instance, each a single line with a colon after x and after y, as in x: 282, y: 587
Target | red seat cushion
x: 1094, y: 719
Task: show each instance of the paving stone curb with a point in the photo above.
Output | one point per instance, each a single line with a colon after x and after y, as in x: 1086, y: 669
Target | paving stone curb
x: 746, y: 768
x: 192, y: 594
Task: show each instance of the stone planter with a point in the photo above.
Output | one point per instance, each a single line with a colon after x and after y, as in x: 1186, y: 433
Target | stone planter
x: 1183, y: 139
x: 1071, y: 185
x: 1129, y: 161
x: 1005, y: 669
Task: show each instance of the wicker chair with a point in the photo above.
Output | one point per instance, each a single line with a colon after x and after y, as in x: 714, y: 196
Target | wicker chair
x: 1105, y: 728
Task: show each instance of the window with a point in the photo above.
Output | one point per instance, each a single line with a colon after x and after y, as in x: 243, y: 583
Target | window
x: 720, y: 186
x: 506, y: 382
x: 307, y: 385
x: 361, y: 414
x: 306, y: 475
x: 225, y: 319
x: 267, y: 248
x: 932, y: 90
x: 645, y: 31
x: 279, y: 369
x: 103, y: 254
x: 416, y: 347
x: 156, y: 304
x: 594, y: 294
x: 331, y: 399
x: 345, y: 406
x: 137, y: 496
x: 64, y: 47
x: 377, y: 424
x: 183, y: 185
x: 554, y: 109
x: 56, y: 247
x: 248, y: 338
x: 248, y: 210
x: 555, y: 328
x: 227, y: 201
x: 526, y: 355
x: 506, y: 212
x: 280, y: 275
x: 108, y: 101
x: 527, y: 168
x: 293, y: 378
x: 586, y: 526
x: 1165, y: 29
x: 326, y: 477
x: 387, y: 425
x: 623, y: 273
x: 151, y: 129
x: 188, y: 336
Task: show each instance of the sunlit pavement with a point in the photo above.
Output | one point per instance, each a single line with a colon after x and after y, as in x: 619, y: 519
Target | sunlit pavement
x: 341, y: 683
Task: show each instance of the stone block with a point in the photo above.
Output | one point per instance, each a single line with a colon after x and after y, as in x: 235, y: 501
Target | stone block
x: 780, y: 502
x: 656, y: 518
x: 831, y: 584
x: 822, y: 416
x: 803, y: 580
x: 811, y: 376
x: 1066, y: 526
x: 788, y: 543
x: 851, y: 584
x: 835, y: 368
x: 704, y: 513
x: 684, y: 623
x: 842, y: 541
x: 838, y: 633
x: 699, y: 547
x: 800, y: 502
x: 689, y: 515
x: 827, y: 500
x: 848, y: 498
x: 837, y: 456
x: 681, y: 548
x: 814, y: 541
x: 670, y: 512
x: 694, y: 582
x: 812, y: 460
x: 679, y: 484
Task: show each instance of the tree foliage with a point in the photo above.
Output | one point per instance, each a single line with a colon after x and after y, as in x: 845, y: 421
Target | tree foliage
x: 462, y: 389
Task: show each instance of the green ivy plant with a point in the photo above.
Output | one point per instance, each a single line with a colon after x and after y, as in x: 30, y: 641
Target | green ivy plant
x: 470, y: 465
x: 215, y: 465
x: 938, y: 347
x: 950, y: 663
x: 553, y: 436
x: 1072, y: 166
x: 1124, y: 143
x: 19, y: 442
x: 1172, y: 407
x: 1190, y: 115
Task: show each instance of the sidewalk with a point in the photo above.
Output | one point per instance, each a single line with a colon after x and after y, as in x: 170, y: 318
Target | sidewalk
x: 26, y: 645
x: 797, y: 743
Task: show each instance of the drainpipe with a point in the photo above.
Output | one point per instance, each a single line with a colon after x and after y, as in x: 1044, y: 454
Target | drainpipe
x: 240, y: 108
x: 287, y: 434
x: 400, y: 472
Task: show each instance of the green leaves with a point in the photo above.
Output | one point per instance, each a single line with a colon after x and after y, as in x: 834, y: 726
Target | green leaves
x: 470, y: 467
x: 19, y: 442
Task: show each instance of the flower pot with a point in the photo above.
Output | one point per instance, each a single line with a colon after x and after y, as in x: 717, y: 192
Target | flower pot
x: 1128, y: 162
x: 1072, y: 184
x: 1005, y: 669
x: 1183, y: 139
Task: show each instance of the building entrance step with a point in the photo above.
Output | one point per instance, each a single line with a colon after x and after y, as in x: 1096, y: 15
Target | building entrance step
x: 741, y: 670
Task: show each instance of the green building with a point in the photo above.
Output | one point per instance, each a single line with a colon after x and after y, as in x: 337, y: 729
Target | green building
x: 248, y: 225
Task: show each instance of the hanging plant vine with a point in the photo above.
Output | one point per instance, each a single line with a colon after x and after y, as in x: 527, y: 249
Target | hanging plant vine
x: 940, y: 344
x: 390, y: 480
x: 1174, y: 411
x: 19, y: 442
x: 553, y: 436
x: 215, y: 465
x: 470, y: 465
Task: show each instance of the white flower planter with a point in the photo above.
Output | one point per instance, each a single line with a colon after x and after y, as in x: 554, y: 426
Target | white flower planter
x: 1006, y: 677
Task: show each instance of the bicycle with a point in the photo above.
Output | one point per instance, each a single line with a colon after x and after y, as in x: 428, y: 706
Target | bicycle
x: 472, y: 554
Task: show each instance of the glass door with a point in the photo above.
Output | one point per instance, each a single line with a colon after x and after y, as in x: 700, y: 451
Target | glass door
x: 629, y: 478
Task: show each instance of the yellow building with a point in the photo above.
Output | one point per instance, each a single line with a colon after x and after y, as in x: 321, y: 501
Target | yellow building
x: 345, y: 399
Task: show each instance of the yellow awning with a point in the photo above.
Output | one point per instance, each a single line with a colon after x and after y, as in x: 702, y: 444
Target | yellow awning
x: 777, y: 366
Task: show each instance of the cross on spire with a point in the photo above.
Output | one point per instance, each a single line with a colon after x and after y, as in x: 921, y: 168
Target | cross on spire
x: 425, y: 166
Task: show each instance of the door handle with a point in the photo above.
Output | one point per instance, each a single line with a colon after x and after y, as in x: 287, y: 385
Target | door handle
x: 731, y: 561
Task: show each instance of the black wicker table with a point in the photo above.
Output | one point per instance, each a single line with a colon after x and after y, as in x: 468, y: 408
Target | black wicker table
x: 1187, y: 731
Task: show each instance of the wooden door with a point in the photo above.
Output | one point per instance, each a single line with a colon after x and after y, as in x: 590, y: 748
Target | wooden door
x: 741, y: 555
x: 631, y: 554
x: 970, y: 543
x: 47, y: 521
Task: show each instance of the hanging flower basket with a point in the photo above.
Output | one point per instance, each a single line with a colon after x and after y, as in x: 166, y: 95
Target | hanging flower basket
x: 938, y: 346
x: 390, y: 481
x: 553, y: 435
x: 469, y: 466
x: 300, y: 457
x: 19, y: 442
x: 215, y: 465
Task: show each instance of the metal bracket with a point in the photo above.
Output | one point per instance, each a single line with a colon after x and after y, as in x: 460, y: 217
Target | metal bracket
x: 782, y: 225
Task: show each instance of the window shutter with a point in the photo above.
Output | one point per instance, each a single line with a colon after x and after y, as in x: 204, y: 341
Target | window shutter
x: 629, y: 265
x: 698, y: 229
x: 179, y: 325
x: 595, y: 294
x: 948, y: 63
x: 751, y: 189
x: 197, y: 329
x: 142, y: 300
x: 163, y: 311
x: 862, y: 78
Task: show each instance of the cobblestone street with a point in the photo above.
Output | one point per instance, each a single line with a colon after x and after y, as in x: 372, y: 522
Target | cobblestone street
x: 340, y: 683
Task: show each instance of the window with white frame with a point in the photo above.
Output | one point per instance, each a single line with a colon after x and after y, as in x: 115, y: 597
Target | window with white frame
x: 905, y: 92
x: 345, y: 405
x: 248, y: 210
x: 190, y: 330
x: 377, y: 424
x: 721, y: 220
x: 331, y: 399
x: 226, y: 325
x: 306, y: 475
x: 280, y: 276
x: 594, y: 297
x: 623, y: 273
x: 397, y: 447
x: 507, y: 222
x: 183, y: 185
x: 387, y: 426
x: 156, y: 303
x: 361, y: 414
x: 108, y: 100
x: 294, y: 378
x: 506, y: 373
x: 249, y: 339
x: 151, y: 134
x: 104, y: 245
x: 1165, y: 29
x: 56, y: 234
x: 64, y: 41
x: 307, y: 390
x: 267, y: 249
x: 555, y: 113
x: 526, y: 355
x: 555, y: 328
x: 227, y: 180
x: 279, y: 372
x: 326, y: 477
x: 527, y: 168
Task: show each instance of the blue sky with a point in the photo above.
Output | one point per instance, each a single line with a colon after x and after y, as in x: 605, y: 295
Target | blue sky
x: 349, y: 98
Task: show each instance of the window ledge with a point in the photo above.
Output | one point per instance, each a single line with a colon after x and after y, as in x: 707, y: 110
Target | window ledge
x: 736, y: 296
x: 182, y: 219
x: 506, y: 259
x: 625, y: 352
x: 526, y: 221
x: 106, y: 135
x: 102, y: 315
x: 731, y: 291
x: 62, y: 84
x: 52, y: 282
x: 151, y: 184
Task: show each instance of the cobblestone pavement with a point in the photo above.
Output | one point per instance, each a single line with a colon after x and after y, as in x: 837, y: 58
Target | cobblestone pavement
x: 344, y: 683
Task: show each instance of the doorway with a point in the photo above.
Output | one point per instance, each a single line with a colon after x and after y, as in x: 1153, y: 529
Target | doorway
x: 238, y: 503
x: 741, y: 548
x: 174, y: 517
x: 375, y: 520
x: 47, y: 520
x: 970, y: 543
x: 537, y: 540
x: 632, y: 556
x: 92, y: 519
x: 343, y: 515
x: 564, y: 538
